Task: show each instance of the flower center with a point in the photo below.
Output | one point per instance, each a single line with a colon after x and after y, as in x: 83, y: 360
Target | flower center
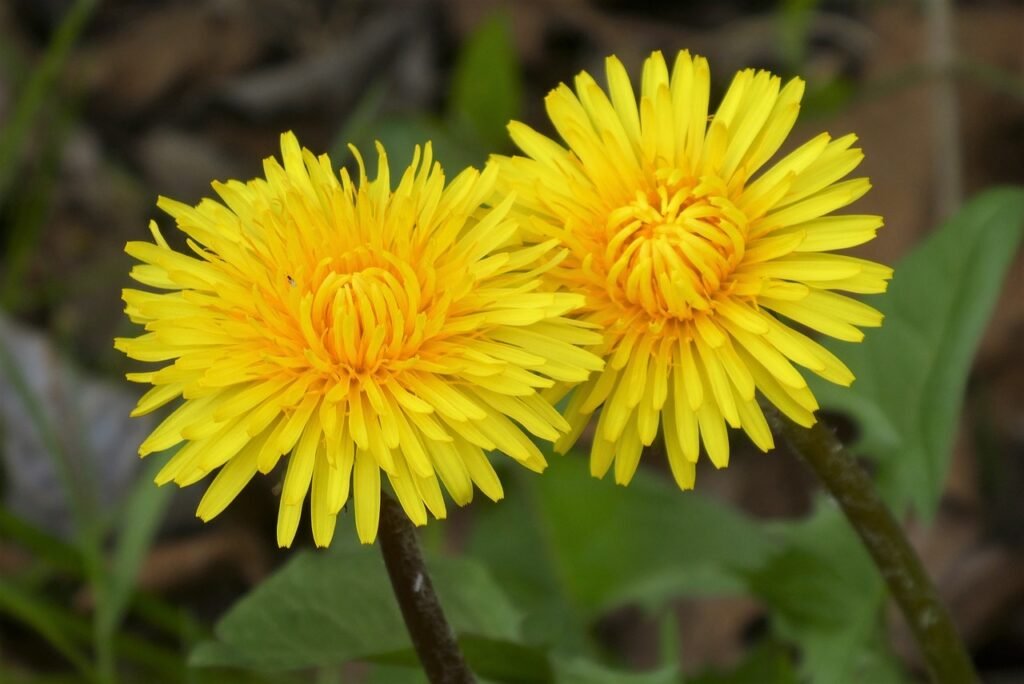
x: 672, y: 248
x: 367, y: 312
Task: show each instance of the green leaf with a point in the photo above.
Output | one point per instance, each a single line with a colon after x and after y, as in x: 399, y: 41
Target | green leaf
x: 491, y: 660
x: 505, y: 661
x: 381, y: 674
x: 413, y: 674
x: 581, y: 671
x: 510, y: 539
x: 486, y: 86
x: 567, y: 547
x: 911, y: 373
x: 826, y: 595
x: 140, y: 517
x: 325, y: 609
x: 795, y: 17
x: 646, y: 541
x: 768, y: 663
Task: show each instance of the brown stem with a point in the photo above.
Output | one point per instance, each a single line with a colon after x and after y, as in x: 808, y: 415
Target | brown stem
x: 943, y: 650
x: 432, y: 636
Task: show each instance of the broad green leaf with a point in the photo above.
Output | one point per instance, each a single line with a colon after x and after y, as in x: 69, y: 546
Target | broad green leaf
x: 581, y: 671
x: 567, y: 547
x: 648, y: 540
x: 567, y: 671
x: 486, y: 86
x: 492, y: 660
x: 325, y: 609
x: 506, y: 661
x: 826, y: 595
x: 767, y: 664
x: 510, y: 538
x: 911, y: 373
x: 393, y: 674
x: 389, y: 674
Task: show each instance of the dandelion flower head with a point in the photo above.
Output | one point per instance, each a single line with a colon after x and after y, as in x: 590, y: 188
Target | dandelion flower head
x: 704, y: 265
x: 350, y: 330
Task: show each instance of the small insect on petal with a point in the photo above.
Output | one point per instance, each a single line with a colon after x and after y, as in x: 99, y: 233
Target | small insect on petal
x: 338, y: 328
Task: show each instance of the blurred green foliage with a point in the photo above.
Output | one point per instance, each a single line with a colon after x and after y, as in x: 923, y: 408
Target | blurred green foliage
x: 329, y: 608
x: 912, y: 372
x: 826, y: 596
x: 486, y: 86
x: 642, y: 545
x: 30, y: 209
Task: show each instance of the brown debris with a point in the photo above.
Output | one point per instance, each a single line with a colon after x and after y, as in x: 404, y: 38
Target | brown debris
x: 175, y: 50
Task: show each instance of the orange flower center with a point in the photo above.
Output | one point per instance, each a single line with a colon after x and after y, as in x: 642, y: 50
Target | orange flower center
x: 672, y: 248
x: 365, y: 312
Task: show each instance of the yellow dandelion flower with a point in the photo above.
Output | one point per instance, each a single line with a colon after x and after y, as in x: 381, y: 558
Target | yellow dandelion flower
x: 356, y: 329
x: 695, y: 262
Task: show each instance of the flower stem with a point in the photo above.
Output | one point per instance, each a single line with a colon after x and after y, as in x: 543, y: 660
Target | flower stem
x: 432, y: 636
x: 943, y: 650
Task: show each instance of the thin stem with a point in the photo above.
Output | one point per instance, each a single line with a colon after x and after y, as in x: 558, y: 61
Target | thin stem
x: 946, y: 656
x: 945, y: 128
x: 432, y: 636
